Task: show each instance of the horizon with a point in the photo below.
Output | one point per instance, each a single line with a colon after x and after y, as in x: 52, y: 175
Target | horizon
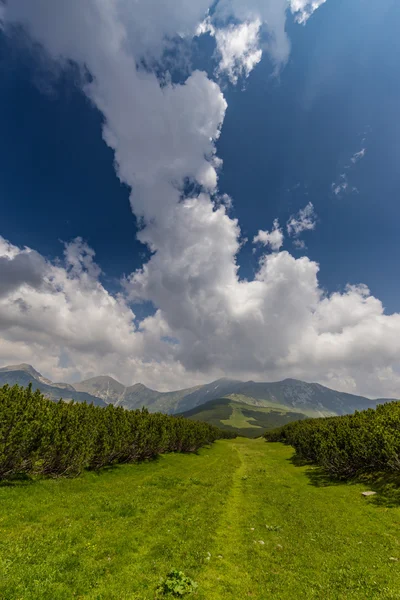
x: 137, y: 383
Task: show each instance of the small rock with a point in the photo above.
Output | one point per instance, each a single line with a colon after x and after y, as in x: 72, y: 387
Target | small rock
x: 251, y: 528
x: 261, y: 542
x: 368, y: 493
x: 279, y: 547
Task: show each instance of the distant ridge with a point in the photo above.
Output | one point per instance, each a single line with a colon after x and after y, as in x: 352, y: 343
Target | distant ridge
x: 134, y: 396
x: 24, y: 374
x: 310, y: 399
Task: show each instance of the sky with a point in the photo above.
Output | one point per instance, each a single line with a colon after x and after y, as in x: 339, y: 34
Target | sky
x: 192, y: 189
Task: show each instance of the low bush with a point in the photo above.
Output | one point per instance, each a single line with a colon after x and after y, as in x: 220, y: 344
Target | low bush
x: 350, y: 445
x: 38, y: 436
x: 176, y: 585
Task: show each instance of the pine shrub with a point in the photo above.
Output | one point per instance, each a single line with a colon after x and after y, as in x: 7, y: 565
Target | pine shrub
x: 350, y: 445
x: 38, y: 436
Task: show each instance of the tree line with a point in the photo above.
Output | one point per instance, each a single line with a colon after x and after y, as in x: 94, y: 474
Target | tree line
x: 38, y: 436
x: 350, y: 445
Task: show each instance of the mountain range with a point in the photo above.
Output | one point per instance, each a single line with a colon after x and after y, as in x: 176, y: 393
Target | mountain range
x: 309, y: 399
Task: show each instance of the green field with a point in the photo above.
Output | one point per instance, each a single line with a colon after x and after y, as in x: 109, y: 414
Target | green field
x: 268, y: 404
x: 115, y: 534
x: 238, y: 420
x: 242, y: 418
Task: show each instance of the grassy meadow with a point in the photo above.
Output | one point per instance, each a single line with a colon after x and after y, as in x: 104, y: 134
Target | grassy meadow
x: 242, y: 418
x: 239, y: 518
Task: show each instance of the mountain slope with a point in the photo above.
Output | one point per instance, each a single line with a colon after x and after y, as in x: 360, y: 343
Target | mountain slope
x: 104, y: 387
x: 26, y: 374
x: 211, y: 391
x: 35, y: 375
x: 245, y: 420
x: 311, y: 399
x: 134, y: 396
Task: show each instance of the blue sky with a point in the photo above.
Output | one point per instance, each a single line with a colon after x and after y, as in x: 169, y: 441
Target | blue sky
x: 287, y: 140
x: 298, y: 132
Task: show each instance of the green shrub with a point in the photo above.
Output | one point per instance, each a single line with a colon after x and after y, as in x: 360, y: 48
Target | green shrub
x: 61, y: 439
x: 347, y: 446
x: 176, y: 585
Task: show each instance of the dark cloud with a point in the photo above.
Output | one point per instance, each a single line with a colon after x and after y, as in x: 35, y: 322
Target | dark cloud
x: 27, y: 268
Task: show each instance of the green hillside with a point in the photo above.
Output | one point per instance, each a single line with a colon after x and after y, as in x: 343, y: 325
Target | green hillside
x: 240, y: 519
x: 259, y: 403
x: 242, y: 418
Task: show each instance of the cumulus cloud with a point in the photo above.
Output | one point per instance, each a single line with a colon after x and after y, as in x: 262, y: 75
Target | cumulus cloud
x: 271, y: 36
x: 26, y: 267
x: 69, y: 326
x: 273, y: 238
x: 304, y: 220
x: 280, y: 324
x: 261, y: 27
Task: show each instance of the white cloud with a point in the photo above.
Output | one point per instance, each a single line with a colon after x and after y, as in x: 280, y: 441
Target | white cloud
x: 271, y: 14
x: 273, y: 238
x: 358, y: 156
x: 63, y: 309
x: 341, y: 186
x: 262, y: 26
x: 304, y: 220
x: 303, y: 9
x: 238, y: 46
x: 299, y: 244
x: 280, y: 324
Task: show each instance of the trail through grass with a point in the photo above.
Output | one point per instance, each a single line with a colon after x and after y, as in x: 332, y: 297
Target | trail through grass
x: 238, y: 518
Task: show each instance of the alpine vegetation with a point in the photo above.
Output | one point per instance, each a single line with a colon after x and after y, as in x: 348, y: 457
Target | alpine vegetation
x: 38, y: 436
x: 350, y: 445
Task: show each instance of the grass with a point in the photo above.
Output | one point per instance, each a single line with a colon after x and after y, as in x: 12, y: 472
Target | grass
x: 267, y: 404
x: 116, y: 534
x: 238, y: 420
x: 243, y: 419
